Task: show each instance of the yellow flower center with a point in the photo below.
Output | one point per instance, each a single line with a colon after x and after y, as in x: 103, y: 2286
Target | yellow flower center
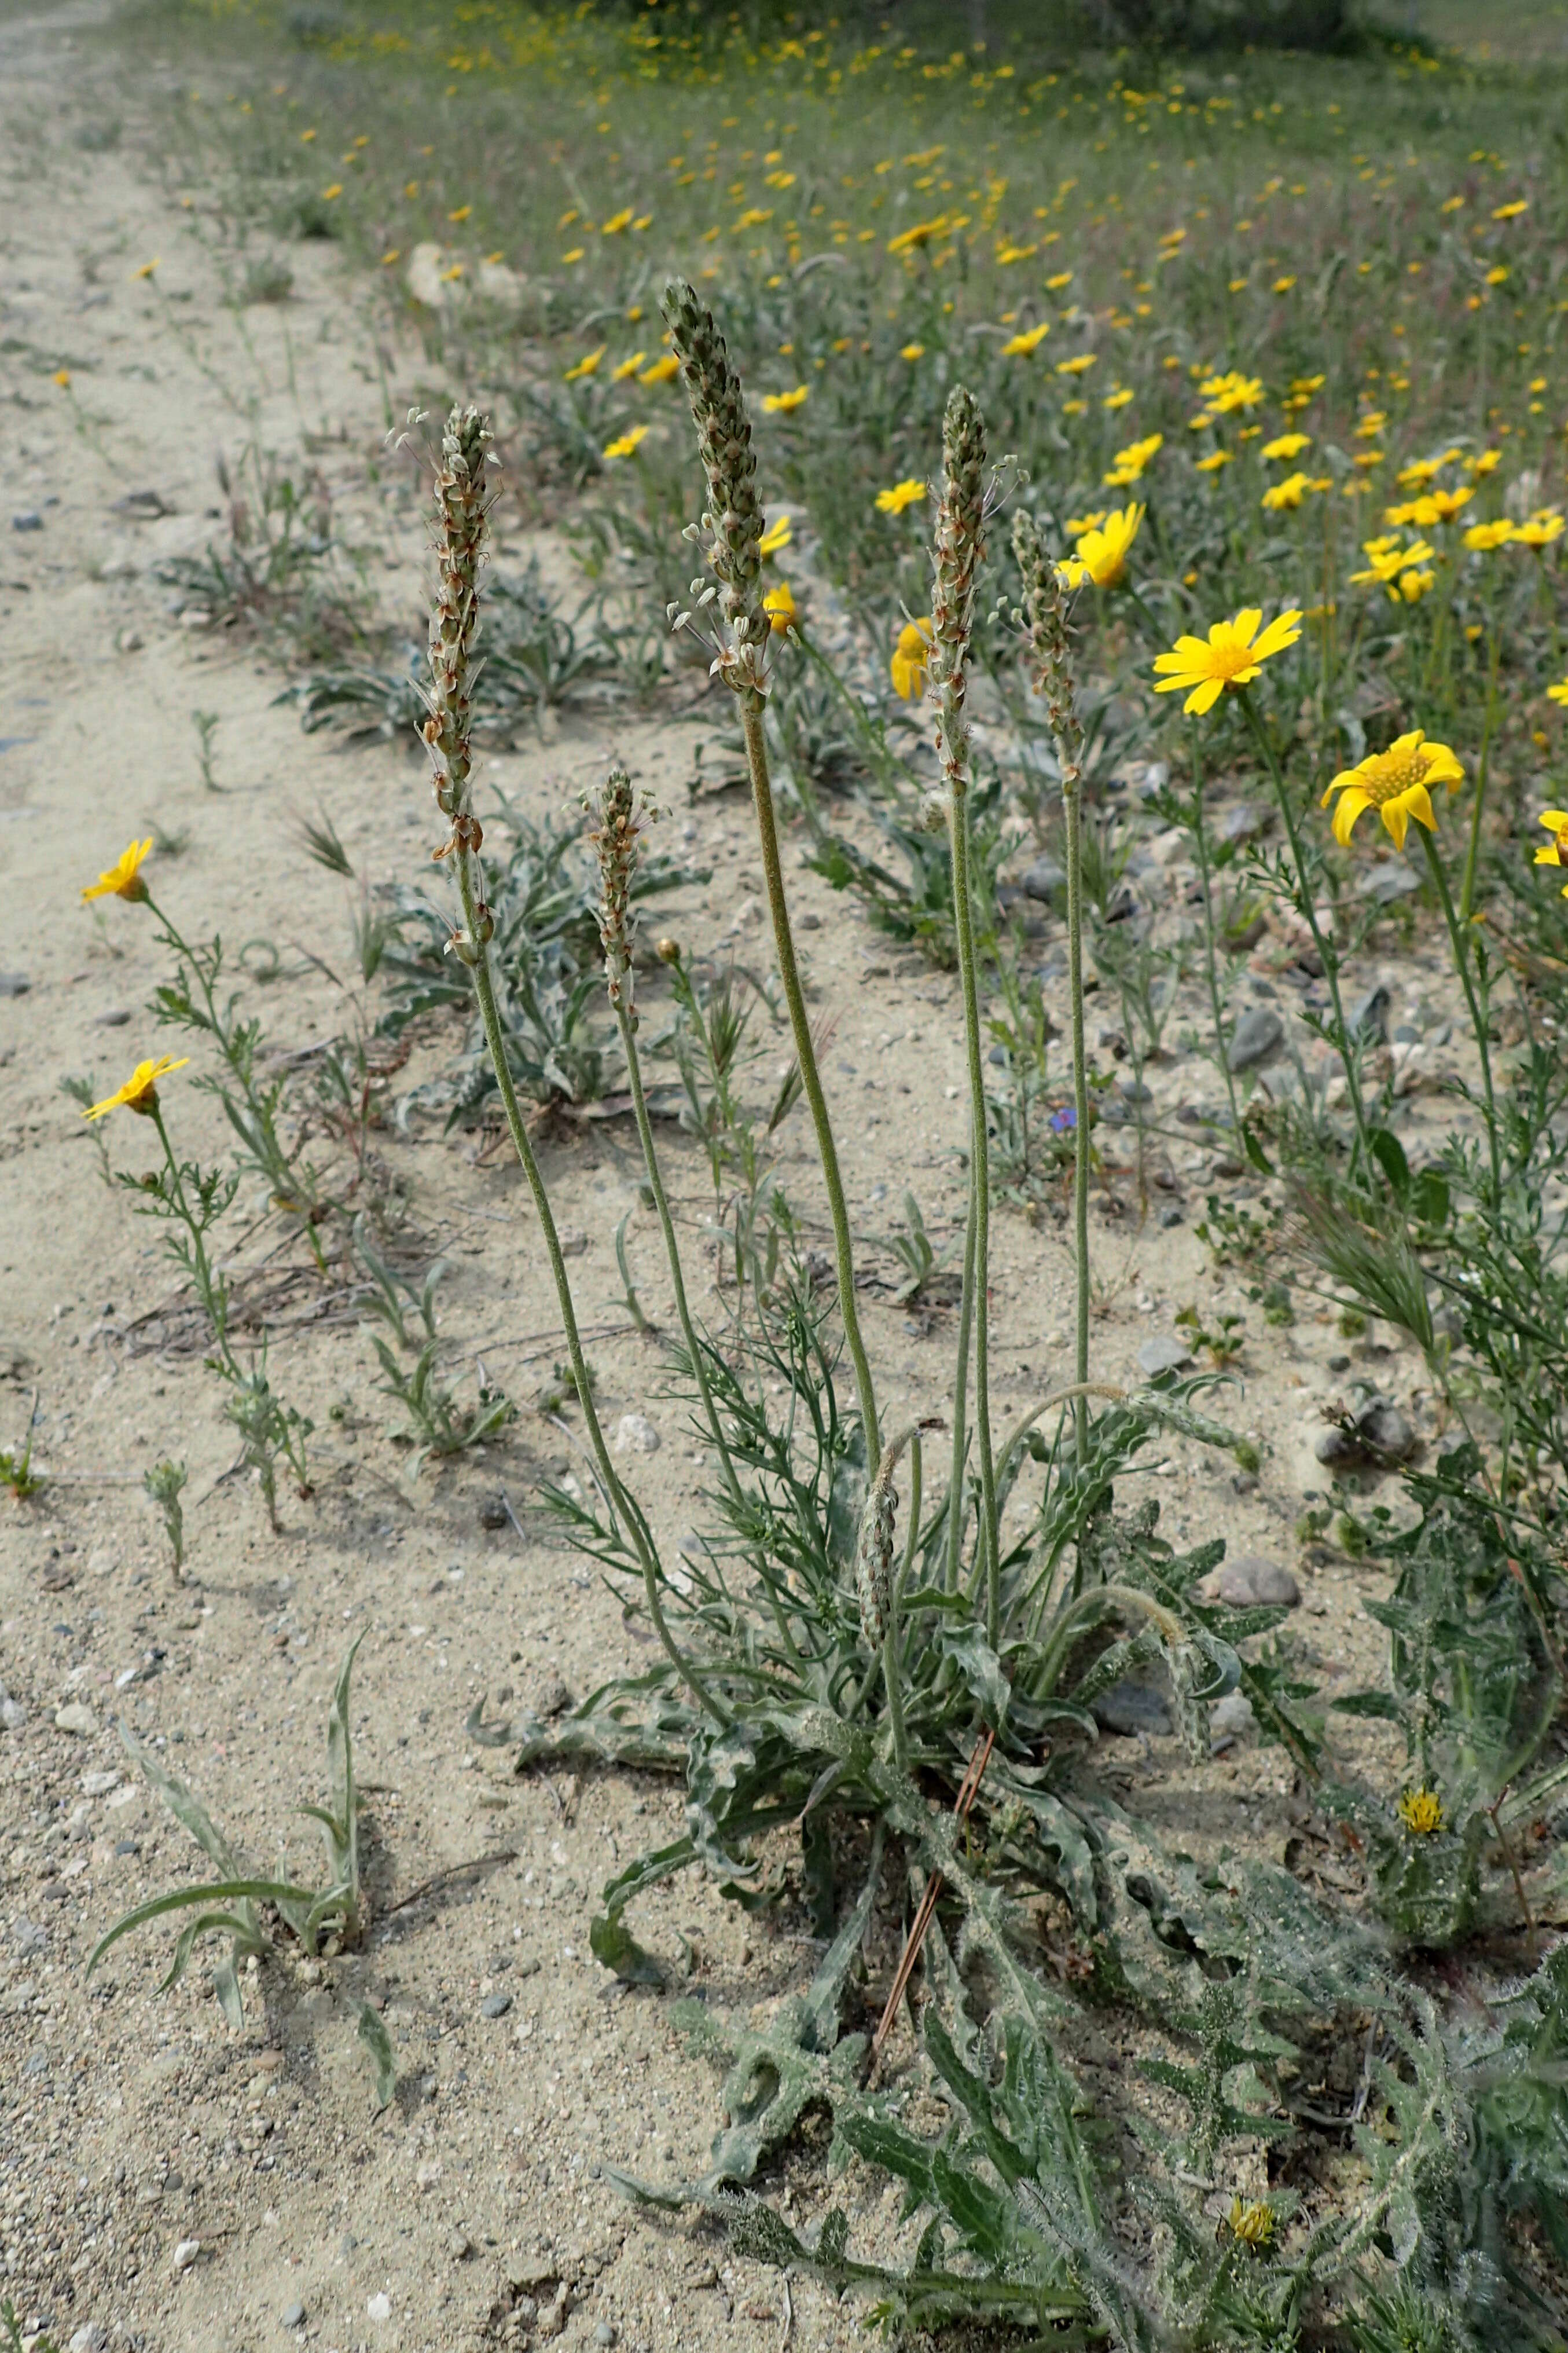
x: 1421, y: 1811
x: 1393, y: 772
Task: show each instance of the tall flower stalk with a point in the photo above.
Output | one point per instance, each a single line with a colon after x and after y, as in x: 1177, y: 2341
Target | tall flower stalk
x: 616, y: 836
x: 461, y: 509
x: 1045, y: 611
x: 731, y: 533
x: 960, y: 545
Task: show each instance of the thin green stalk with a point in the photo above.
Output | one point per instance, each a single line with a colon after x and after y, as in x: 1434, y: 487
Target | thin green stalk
x: 1072, y: 796
x: 1327, y: 955
x: 1200, y: 842
x: 806, y: 1055
x: 213, y: 1303
x: 671, y: 1249
x: 956, y: 1516
x: 1477, y: 1020
x: 980, y: 1161
x: 494, y: 1039
x: 1468, y: 888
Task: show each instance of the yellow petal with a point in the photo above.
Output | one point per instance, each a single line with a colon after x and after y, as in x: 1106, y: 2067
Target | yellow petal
x: 1352, y: 801
x: 1204, y: 696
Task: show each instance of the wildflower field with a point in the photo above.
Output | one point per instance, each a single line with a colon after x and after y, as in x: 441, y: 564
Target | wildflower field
x: 787, y: 809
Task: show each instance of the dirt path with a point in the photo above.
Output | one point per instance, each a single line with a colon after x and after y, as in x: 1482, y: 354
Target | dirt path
x: 133, y: 2127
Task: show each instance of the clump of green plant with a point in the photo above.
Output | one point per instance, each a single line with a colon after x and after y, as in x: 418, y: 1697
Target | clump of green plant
x: 16, y: 1469
x: 437, y: 1423
x: 280, y: 571
x: 165, y: 1484
x: 544, y: 907
x: 326, y: 1919
x: 190, y: 1201
x: 1475, y: 1687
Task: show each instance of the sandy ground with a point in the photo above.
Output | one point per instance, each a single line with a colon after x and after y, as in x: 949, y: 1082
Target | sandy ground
x: 133, y: 2125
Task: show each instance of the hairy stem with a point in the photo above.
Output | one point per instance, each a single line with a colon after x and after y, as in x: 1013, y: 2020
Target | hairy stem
x: 806, y: 1055
x: 485, y: 990
x: 672, y: 1253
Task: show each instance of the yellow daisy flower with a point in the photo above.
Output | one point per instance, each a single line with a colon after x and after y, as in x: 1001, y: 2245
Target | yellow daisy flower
x: 1485, y: 536
x: 1078, y: 366
x: 1253, y: 2223
x: 1027, y: 340
x: 779, y: 606
x: 624, y: 445
x: 1232, y: 655
x: 139, y: 1092
x: 1102, y: 552
x: 1076, y: 525
x: 627, y: 368
x: 124, y: 878
x: 1555, y: 820
x: 911, y: 659
x: 1291, y: 490
x: 1559, y: 694
x: 1287, y: 445
x: 902, y: 494
x: 781, y: 403
x: 585, y: 365
x: 1540, y: 529
x: 777, y: 535
x: 1214, y: 461
x: 661, y: 371
x: 912, y: 352
x: 1388, y: 561
x: 1397, y: 783
x: 1421, y: 1811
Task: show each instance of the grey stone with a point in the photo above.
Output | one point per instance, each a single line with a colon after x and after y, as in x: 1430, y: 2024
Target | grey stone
x: 1260, y: 1034
x: 1390, y: 881
x: 1132, y: 1089
x: 29, y: 522
x: 1407, y: 1034
x: 117, y: 1017
x: 1250, y: 1582
x: 1169, y: 1216
x: 13, y: 984
x: 75, y: 1717
x: 293, y: 2315
x: 1162, y: 1355
x: 605, y: 2332
x: 13, y: 1715
x: 1045, y: 879
x: 91, y: 2338
x: 1242, y: 823
x: 1446, y: 1321
x: 1336, y: 1449
x: 635, y: 1434
x: 1368, y: 1016
x: 1232, y: 1714
x: 1385, y: 1432
x: 495, y: 2005
x: 532, y: 2270
x: 1130, y: 1707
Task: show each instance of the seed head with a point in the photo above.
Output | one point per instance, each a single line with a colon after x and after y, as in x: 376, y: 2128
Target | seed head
x: 960, y: 545
x: 732, y: 527
x: 1046, y: 612
x: 622, y: 815
x: 460, y: 513
x: 874, y: 1558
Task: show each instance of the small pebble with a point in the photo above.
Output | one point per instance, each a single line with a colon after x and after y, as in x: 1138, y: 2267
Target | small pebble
x: 378, y: 2306
x: 605, y: 2332
x: 29, y: 522
x: 293, y: 2315
x: 185, y: 2254
x: 495, y: 2005
x: 1250, y: 1582
x: 635, y: 1434
x: 13, y: 984
x: 1257, y: 1038
x: 1161, y: 1355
